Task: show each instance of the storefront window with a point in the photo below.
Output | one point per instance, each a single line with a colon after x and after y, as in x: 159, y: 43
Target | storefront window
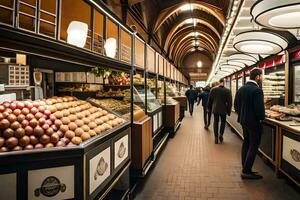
x: 150, y: 60
x: 6, y: 11
x: 27, y: 14
x: 125, y: 46
x: 112, y: 31
x: 98, y: 32
x: 75, y: 11
x: 48, y: 17
x: 139, y: 53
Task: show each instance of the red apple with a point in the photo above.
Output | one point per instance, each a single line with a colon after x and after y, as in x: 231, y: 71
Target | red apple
x: 34, y: 110
x: 6, y: 104
x: 20, y: 105
x: 17, y: 112
x: 28, y: 105
x: 25, y: 111
x: 13, y: 106
x: 36, y: 104
x: 47, y: 112
x: 2, y: 108
x: 41, y: 109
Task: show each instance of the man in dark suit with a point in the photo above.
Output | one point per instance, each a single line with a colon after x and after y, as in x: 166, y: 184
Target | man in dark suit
x: 207, y: 114
x: 249, y: 104
x: 219, y: 103
x: 191, y: 96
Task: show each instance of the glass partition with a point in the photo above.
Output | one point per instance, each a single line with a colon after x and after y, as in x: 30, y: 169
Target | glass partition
x: 98, y: 32
x: 7, y: 12
x: 75, y: 11
x: 125, y: 46
x: 112, y: 31
x: 150, y: 60
x: 139, y: 53
x: 27, y: 14
x: 47, y: 16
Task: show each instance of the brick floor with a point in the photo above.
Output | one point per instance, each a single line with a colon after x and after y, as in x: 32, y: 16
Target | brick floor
x: 192, y: 167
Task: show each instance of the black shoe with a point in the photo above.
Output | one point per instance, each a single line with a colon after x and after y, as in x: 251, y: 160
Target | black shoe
x: 251, y: 176
x: 221, y: 138
x: 216, y: 140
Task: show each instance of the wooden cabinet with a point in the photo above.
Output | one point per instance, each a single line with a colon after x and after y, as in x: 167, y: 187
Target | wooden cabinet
x: 141, y: 143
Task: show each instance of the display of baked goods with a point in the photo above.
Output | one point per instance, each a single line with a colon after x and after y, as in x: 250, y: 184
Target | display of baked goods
x: 113, y: 93
x: 138, y: 79
x: 274, y: 85
x: 121, y: 107
x: 54, y: 122
x: 80, y: 88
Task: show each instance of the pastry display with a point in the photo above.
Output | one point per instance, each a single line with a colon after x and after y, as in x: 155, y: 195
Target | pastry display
x: 121, y: 107
x: 54, y: 122
x: 274, y: 85
x: 114, y: 93
x: 79, y: 88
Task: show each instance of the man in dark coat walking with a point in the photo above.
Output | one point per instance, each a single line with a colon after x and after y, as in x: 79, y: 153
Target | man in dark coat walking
x: 191, y: 96
x: 219, y: 103
x: 206, y: 113
x: 249, y: 104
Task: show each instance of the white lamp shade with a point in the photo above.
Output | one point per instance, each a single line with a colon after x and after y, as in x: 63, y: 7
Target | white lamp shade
x: 282, y: 14
x: 259, y: 42
x: 243, y: 58
x: 77, y: 33
x: 110, y: 47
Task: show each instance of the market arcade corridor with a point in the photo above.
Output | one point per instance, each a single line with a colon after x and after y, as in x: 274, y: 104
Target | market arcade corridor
x: 193, y: 167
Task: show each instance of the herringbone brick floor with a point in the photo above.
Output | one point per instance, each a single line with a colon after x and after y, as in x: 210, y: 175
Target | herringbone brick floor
x: 193, y: 167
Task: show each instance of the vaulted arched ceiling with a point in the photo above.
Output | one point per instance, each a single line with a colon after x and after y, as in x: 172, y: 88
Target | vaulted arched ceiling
x: 165, y: 22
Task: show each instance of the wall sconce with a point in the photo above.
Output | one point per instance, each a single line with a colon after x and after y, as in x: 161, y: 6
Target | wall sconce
x: 110, y: 47
x: 77, y: 33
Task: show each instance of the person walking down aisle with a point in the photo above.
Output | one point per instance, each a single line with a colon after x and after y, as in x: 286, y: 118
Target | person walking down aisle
x: 207, y: 114
x: 219, y: 103
x: 249, y: 104
x: 191, y: 96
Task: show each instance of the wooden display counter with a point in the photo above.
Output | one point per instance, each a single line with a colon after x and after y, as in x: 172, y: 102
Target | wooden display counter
x: 172, y: 119
x: 87, y: 171
x: 141, y: 144
x: 280, y: 144
x: 183, y: 105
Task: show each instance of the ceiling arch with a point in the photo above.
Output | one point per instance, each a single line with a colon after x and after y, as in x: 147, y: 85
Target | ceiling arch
x: 187, y: 30
x: 200, y: 34
x: 183, y: 42
x: 166, y: 13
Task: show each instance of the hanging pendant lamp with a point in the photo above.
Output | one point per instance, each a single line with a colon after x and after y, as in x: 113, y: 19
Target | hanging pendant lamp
x: 244, y: 58
x: 282, y: 14
x: 259, y: 42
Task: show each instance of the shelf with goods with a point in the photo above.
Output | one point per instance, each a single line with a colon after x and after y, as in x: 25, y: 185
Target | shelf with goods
x: 91, y: 169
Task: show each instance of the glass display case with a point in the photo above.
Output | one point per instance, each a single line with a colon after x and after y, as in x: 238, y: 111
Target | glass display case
x: 233, y: 89
x: 139, y: 98
x: 296, y: 83
x: 274, y: 86
x: 171, y: 92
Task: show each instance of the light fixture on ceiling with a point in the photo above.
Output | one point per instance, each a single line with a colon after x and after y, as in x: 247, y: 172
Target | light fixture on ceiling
x: 191, y: 21
x: 186, y: 7
x: 259, y: 42
x: 227, y: 70
x: 196, y: 34
x: 199, y: 64
x: 196, y: 43
x: 227, y: 66
x: 77, y: 33
x: 277, y: 13
x: 244, y: 58
x: 110, y: 47
x: 236, y: 63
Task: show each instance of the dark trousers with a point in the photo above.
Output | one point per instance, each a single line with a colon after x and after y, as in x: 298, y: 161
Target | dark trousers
x: 250, y: 147
x: 207, y: 116
x: 191, y: 107
x: 216, y: 124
